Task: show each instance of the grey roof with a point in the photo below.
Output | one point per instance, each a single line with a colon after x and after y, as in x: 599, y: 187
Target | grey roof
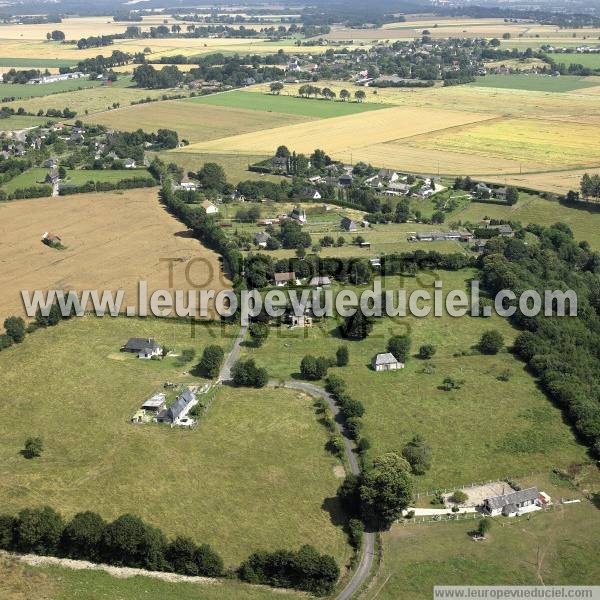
x: 386, y: 358
x: 262, y: 237
x: 321, y: 280
x: 155, y: 402
x: 139, y: 344
x: 180, y: 404
x: 347, y: 224
x: 287, y: 276
x: 498, y: 502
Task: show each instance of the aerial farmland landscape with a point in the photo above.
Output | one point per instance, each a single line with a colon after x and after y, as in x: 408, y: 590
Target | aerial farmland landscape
x: 299, y: 299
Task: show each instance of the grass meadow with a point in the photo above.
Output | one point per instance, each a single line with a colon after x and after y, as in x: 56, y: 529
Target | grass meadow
x: 536, y: 83
x: 17, y: 90
x: 253, y: 475
x: 308, y: 107
x: 79, y: 177
x: 487, y: 429
x: 569, y: 58
x: 29, y: 178
x: 557, y: 547
x: 22, y: 582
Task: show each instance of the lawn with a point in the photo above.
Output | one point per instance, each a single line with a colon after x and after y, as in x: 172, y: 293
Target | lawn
x: 538, y: 83
x: 21, y: 122
x: 36, y: 63
x: 16, y: 90
x: 80, y: 177
x: 472, y: 437
x: 27, y: 179
x: 569, y: 58
x: 22, y: 582
x: 253, y: 475
x: 534, y: 209
x: 308, y: 107
x: 557, y: 547
x: 235, y: 165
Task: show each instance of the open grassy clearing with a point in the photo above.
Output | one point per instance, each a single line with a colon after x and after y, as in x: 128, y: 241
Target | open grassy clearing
x: 103, y: 250
x: 22, y: 582
x: 341, y: 135
x: 27, y: 179
x: 559, y: 145
x: 92, y: 100
x: 194, y: 122
x: 235, y: 165
x: 536, y: 83
x: 17, y: 122
x: 569, y: 58
x: 534, y: 209
x: 555, y: 547
x: 18, y: 90
x: 471, y: 439
x: 79, y: 177
x: 308, y: 107
x: 36, y: 63
x: 254, y: 474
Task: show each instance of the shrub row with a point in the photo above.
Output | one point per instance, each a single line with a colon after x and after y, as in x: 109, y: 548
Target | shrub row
x: 107, y: 186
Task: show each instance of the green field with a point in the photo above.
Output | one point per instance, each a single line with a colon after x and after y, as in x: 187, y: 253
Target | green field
x: 21, y: 582
x: 17, y: 122
x: 308, y: 107
x: 235, y: 165
x: 472, y: 437
x: 569, y: 58
x: 16, y: 90
x: 27, y: 179
x: 558, y: 547
x: 36, y: 63
x: 536, y: 83
x: 81, y: 176
x: 253, y: 475
x: 535, y: 209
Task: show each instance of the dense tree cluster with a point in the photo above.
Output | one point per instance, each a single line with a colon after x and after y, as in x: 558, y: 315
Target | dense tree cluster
x: 126, y: 541
x: 245, y: 373
x: 146, y: 76
x: 563, y: 352
x: 306, y: 570
x: 211, y: 361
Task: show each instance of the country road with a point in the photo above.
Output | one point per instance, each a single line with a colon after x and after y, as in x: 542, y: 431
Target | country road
x: 368, y: 547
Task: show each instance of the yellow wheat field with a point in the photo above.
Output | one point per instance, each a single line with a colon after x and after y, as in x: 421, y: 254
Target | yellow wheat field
x: 340, y: 136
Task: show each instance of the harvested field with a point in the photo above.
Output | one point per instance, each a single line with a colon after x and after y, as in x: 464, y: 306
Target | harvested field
x: 195, y: 122
x: 551, y: 143
x: 339, y: 136
x: 103, y: 250
x: 537, y: 83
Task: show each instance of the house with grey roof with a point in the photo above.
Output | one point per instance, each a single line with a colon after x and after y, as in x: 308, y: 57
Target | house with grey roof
x: 145, y: 348
x: 176, y: 413
x: 386, y: 361
x: 348, y: 224
x: 514, y: 503
x: 261, y: 239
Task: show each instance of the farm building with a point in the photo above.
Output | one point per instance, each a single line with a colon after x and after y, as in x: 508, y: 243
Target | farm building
x: 261, y: 239
x: 282, y: 279
x: 129, y: 163
x: 51, y: 239
x: 144, y: 347
x: 176, y: 413
x: 209, y: 207
x: 155, y: 404
x: 309, y: 194
x: 386, y: 362
x: 514, y: 503
x: 346, y: 180
x: 503, y: 230
x: 56, y: 78
x: 298, y: 214
x: 348, y: 224
x: 319, y: 281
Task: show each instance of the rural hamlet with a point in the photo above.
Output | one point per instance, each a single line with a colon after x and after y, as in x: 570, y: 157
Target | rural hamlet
x: 300, y: 300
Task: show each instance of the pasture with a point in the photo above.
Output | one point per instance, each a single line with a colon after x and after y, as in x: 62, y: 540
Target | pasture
x: 17, y: 90
x: 22, y: 582
x: 569, y: 58
x: 471, y: 438
x: 308, y: 107
x: 555, y: 547
x: 80, y: 177
x: 536, y: 83
x: 17, y: 122
x: 27, y: 179
x: 253, y: 475
x: 194, y: 122
x: 102, y: 251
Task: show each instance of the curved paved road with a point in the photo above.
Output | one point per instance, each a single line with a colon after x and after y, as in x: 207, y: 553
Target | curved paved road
x: 368, y: 545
